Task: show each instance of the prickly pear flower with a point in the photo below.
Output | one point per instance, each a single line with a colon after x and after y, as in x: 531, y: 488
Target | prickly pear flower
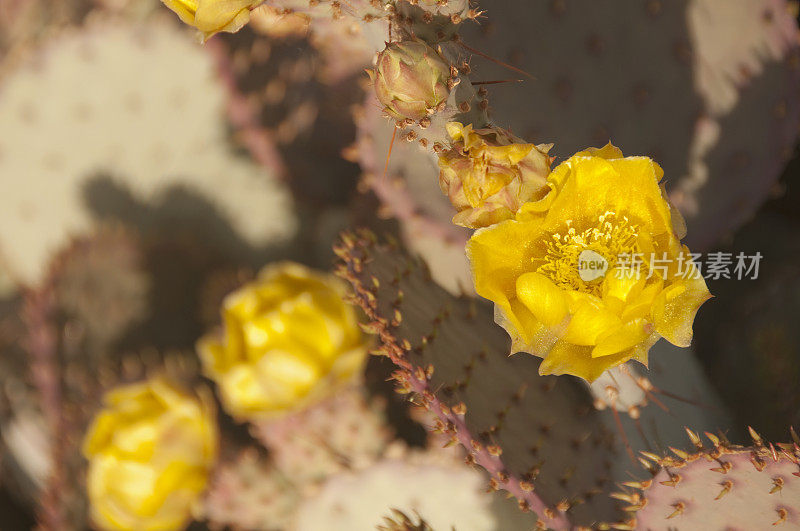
x: 593, y: 274
x: 488, y: 174
x: 213, y: 16
x: 411, y: 80
x: 289, y: 339
x: 150, y: 451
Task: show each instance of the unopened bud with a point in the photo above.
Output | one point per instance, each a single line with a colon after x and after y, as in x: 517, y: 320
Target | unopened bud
x: 410, y: 80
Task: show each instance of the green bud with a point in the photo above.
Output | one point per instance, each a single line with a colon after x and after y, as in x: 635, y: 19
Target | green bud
x: 411, y: 79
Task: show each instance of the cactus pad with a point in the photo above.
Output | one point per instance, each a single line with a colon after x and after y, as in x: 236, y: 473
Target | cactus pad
x: 454, y: 360
x: 342, y: 432
x: 721, y: 487
x: 449, y: 495
x: 138, y: 106
x: 249, y: 493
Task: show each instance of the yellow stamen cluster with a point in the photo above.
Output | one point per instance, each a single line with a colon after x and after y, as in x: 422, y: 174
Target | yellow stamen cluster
x: 611, y: 238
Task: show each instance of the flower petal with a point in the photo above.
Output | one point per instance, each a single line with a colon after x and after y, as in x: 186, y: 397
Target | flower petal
x: 546, y: 301
x: 499, y: 255
x: 621, y: 285
x: 593, y: 186
x: 567, y: 358
x: 623, y: 338
x: 222, y: 15
x: 590, y: 318
x: 674, y: 310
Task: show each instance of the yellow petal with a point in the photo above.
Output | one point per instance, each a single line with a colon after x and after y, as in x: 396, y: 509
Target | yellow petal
x: 547, y: 302
x: 349, y: 364
x: 499, y: 255
x: 536, y: 210
x: 100, y: 433
x: 641, y: 305
x: 215, y: 358
x: 242, y: 393
x: 288, y: 375
x: 455, y: 130
x: 674, y: 310
x: 185, y: 9
x: 623, y: 338
x: 640, y: 352
x: 567, y: 358
x: 222, y: 15
x: 589, y: 187
x: 590, y: 318
x: 609, y: 151
x: 137, y: 441
x: 530, y: 335
x: 620, y: 284
x: 243, y: 304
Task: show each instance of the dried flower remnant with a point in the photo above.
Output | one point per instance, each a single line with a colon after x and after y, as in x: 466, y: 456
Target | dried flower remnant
x: 488, y: 174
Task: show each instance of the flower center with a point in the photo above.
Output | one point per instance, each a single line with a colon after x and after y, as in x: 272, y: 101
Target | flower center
x: 579, y: 260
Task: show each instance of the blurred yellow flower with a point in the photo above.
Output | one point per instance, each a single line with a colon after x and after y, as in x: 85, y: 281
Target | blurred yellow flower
x: 150, y: 451
x: 592, y: 274
x: 213, y: 16
x: 488, y: 174
x: 289, y: 339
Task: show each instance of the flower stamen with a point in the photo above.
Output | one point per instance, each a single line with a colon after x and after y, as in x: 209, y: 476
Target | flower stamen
x: 610, y: 238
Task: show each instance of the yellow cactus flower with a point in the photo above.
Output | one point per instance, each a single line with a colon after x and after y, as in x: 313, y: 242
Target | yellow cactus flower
x: 592, y: 274
x: 489, y: 174
x: 213, y: 16
x: 150, y: 451
x: 289, y: 339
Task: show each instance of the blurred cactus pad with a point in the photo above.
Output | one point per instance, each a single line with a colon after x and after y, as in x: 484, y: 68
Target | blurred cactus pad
x: 238, y: 285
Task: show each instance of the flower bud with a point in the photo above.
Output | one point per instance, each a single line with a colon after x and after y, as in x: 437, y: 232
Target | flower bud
x: 150, y: 451
x: 488, y: 174
x: 289, y: 339
x: 410, y: 80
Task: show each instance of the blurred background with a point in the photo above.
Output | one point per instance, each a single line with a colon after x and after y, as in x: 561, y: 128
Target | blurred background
x: 144, y: 176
